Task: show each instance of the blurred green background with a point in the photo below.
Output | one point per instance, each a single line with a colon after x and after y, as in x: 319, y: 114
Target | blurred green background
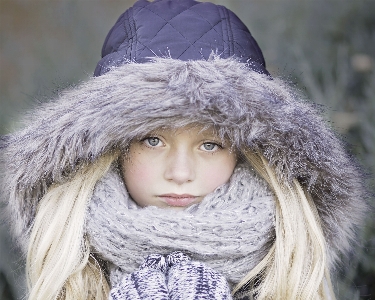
x: 324, y: 47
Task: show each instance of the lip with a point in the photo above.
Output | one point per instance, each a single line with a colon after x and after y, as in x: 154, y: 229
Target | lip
x: 179, y: 200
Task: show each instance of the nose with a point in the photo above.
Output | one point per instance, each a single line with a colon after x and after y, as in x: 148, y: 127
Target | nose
x: 180, y: 166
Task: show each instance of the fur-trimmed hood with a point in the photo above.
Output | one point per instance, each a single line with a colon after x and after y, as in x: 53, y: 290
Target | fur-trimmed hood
x: 257, y: 113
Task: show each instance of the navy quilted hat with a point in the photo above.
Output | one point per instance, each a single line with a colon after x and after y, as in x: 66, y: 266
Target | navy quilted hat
x: 180, y: 29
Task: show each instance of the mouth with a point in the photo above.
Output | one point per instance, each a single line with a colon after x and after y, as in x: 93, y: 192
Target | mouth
x: 178, y: 200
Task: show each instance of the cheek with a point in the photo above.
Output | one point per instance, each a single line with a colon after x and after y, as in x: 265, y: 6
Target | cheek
x: 218, y: 173
x: 138, y: 174
x: 135, y: 171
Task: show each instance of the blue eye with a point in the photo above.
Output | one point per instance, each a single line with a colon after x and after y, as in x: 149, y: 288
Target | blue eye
x: 152, y: 141
x: 210, y: 146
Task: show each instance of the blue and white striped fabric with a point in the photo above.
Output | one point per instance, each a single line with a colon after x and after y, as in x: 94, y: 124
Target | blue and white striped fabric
x: 175, y: 277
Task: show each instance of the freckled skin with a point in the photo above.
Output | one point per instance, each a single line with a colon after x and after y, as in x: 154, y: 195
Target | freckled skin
x: 184, y: 161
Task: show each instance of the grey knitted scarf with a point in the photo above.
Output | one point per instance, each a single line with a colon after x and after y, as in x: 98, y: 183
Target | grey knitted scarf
x: 230, y: 230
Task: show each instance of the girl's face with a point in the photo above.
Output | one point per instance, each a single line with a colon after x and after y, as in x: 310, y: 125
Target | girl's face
x: 176, y: 168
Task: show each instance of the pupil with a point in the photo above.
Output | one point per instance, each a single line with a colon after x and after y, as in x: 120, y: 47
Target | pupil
x: 153, y: 141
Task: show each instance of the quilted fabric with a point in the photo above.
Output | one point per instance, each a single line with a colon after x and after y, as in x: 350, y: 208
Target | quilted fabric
x: 180, y: 29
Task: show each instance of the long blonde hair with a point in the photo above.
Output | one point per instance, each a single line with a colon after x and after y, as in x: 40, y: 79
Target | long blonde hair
x: 296, y: 266
x: 60, y: 266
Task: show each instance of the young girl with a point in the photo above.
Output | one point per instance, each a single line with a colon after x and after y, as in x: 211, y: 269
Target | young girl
x: 182, y: 170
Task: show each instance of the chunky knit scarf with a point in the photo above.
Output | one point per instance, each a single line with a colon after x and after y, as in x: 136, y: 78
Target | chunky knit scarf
x: 229, y: 231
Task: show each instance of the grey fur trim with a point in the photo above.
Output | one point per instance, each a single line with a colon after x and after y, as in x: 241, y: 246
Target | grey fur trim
x: 106, y: 112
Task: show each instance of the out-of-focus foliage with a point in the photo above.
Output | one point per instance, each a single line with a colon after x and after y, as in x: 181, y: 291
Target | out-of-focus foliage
x: 325, y: 47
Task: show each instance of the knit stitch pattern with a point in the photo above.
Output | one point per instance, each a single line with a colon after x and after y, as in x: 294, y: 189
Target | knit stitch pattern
x: 188, y: 280
x: 229, y: 231
x: 147, y: 283
x: 182, y: 279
